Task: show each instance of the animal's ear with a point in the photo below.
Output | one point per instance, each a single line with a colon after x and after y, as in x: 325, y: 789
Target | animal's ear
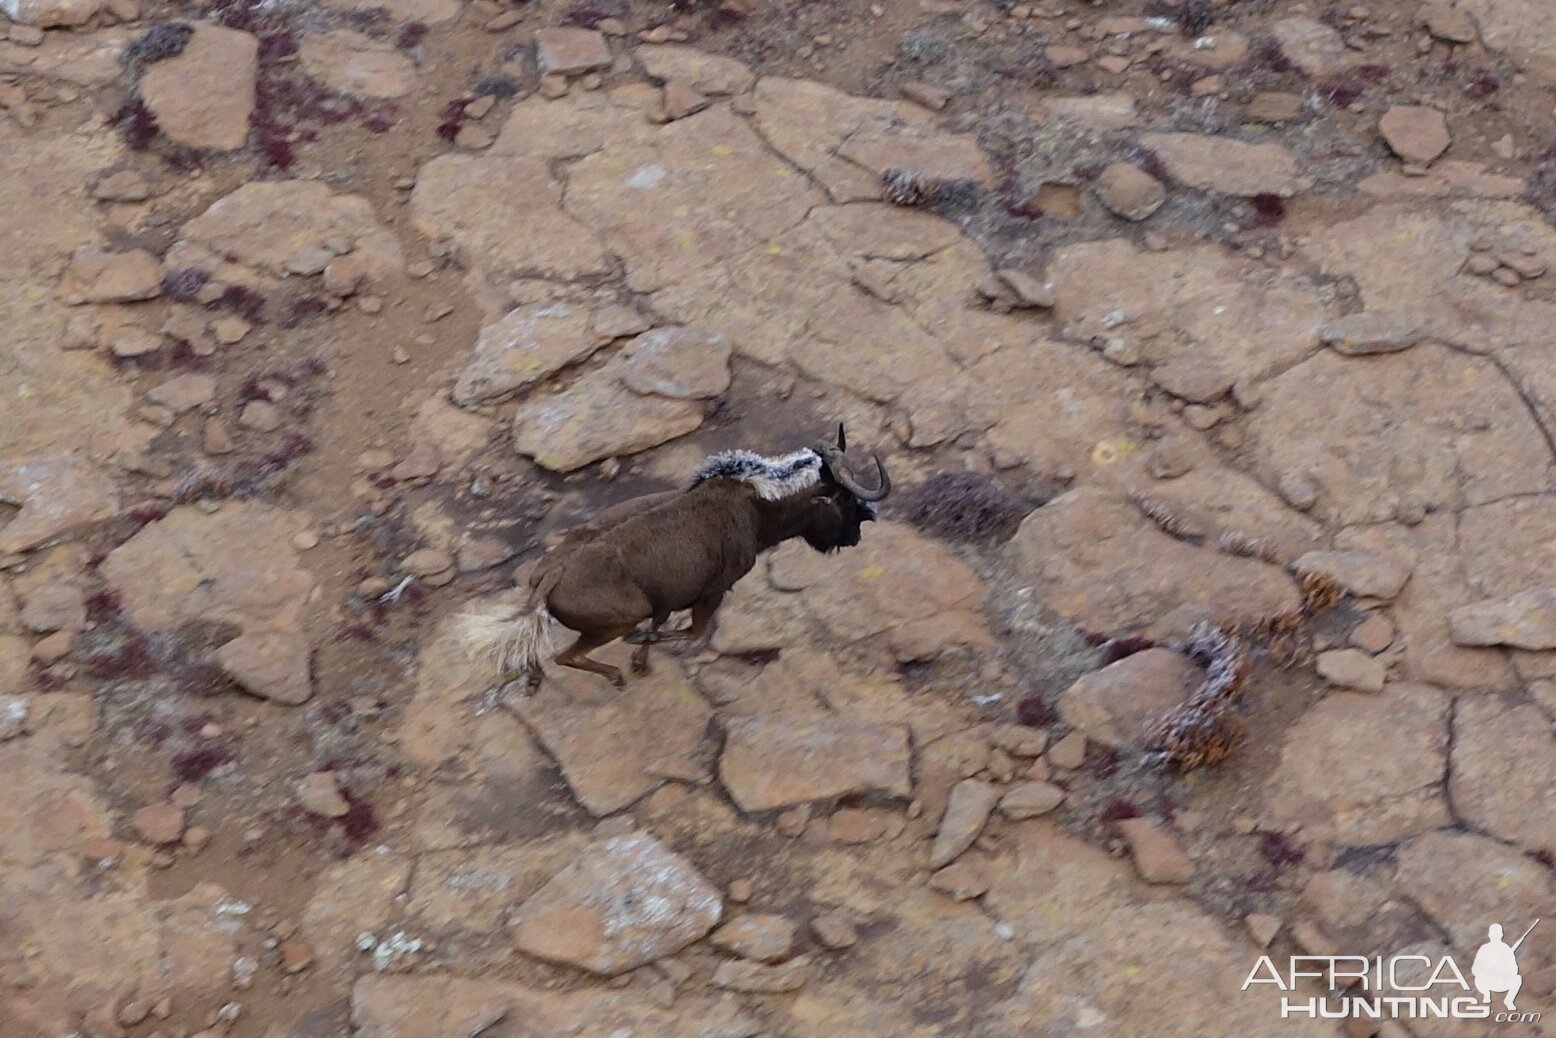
x: 842, y: 439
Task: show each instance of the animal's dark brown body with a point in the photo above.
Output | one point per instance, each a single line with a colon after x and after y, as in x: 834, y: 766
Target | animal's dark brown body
x: 644, y: 559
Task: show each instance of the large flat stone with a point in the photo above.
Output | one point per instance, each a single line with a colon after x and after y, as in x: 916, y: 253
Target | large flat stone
x: 624, y: 903
x: 1092, y: 557
x: 203, y: 96
x: 524, y: 347
x: 1225, y: 164
x: 598, y: 417
x: 257, y: 229
x: 1331, y: 773
x: 56, y: 494
x: 607, y: 741
x: 1526, y: 620
x: 1372, y: 438
x: 1202, y: 317
x: 505, y: 213
x: 1117, y: 704
x: 774, y: 761
x: 1503, y: 779
x: 351, y: 63
x: 237, y: 565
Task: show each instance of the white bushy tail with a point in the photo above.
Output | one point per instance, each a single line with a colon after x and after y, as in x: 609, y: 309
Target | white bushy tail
x: 515, y: 638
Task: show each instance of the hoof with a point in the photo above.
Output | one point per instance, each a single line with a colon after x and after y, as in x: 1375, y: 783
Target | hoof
x: 640, y: 666
x: 617, y: 680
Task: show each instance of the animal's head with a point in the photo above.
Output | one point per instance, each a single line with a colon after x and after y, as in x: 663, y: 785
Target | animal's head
x: 842, y: 503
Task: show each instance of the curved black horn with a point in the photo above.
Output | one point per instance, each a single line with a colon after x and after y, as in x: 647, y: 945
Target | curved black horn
x: 845, y: 477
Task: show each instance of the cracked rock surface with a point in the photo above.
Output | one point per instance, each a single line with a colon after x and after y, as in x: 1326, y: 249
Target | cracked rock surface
x: 324, y: 321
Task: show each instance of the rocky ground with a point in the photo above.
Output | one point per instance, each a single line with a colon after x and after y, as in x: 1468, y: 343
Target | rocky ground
x: 321, y: 319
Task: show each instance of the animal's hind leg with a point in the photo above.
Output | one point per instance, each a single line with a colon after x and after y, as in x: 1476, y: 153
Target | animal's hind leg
x: 573, y: 656
x: 650, y: 636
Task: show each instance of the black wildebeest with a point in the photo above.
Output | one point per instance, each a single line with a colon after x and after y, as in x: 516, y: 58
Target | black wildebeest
x: 681, y: 549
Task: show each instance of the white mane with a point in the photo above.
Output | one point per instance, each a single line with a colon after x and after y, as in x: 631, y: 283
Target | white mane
x: 773, y: 478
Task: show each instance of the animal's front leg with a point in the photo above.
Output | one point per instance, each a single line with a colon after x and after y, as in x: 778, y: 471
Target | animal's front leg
x: 700, y: 633
x: 700, y: 629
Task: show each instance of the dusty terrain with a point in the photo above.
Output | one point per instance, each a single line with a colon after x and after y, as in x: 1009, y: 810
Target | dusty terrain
x: 320, y: 319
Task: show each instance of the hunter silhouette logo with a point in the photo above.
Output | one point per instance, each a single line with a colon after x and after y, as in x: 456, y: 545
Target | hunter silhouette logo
x: 1496, y: 966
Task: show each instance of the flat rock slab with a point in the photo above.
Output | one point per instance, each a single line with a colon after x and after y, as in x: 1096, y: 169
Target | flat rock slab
x: 1315, y: 418
x: 705, y: 73
x: 1199, y: 948
x: 1313, y: 47
x: 608, y: 740
x: 1156, y: 853
x: 1352, y: 668
x: 689, y: 199
x: 264, y: 227
x: 1095, y: 559
x: 1030, y: 799
x: 271, y: 666
x: 1366, y: 334
x: 1444, y: 872
x: 897, y: 585
x: 1097, y: 111
x: 57, y: 493
x: 1365, y: 574
x: 1202, y: 317
x: 1332, y: 773
x: 597, y: 418
x: 678, y: 363
x: 523, y: 347
x: 237, y: 565
x: 1503, y: 779
x: 53, y: 607
x: 445, y: 1005
x: 1115, y: 705
x: 1226, y: 165
x: 183, y: 392
x: 757, y: 979
x: 203, y: 96
x: 1526, y: 620
x: 759, y: 936
x: 351, y: 63
x: 624, y: 903
x: 966, y: 813
x: 1414, y: 133
x: 779, y: 761
x: 357, y: 895
x: 569, y: 51
x: 426, y: 1006
x: 477, y: 201
x: 96, y: 276
x: 49, y: 14
x: 1430, y: 282
x: 1526, y: 29
x: 1130, y: 192
x: 930, y: 158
